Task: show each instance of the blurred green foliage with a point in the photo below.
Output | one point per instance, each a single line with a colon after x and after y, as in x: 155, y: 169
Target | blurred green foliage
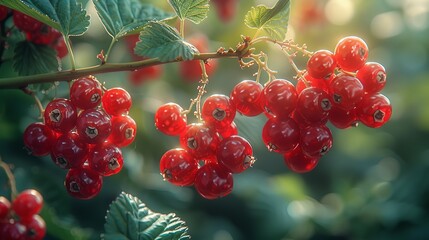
x: 373, y: 184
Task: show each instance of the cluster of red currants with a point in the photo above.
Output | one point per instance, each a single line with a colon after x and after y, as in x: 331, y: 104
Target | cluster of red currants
x: 20, y: 220
x: 84, y: 134
x: 35, y: 31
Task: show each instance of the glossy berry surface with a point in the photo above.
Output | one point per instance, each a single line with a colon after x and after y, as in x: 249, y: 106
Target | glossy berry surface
x: 314, y: 105
x: 28, y: 203
x: 374, y: 110
x: 235, y: 153
x: 69, y: 151
x: 347, y: 91
x: 13, y: 230
x: 321, y: 64
x: 199, y: 140
x: 316, y: 141
x: 246, y: 96
x: 38, y: 138
x: 124, y: 130
x: 298, y: 162
x: 342, y: 118
x: 228, y: 131
x: 26, y: 23
x: 60, y: 115
x: 106, y: 159
x: 312, y: 82
x: 4, y: 207
x: 218, y: 111
x: 280, y: 135
x: 213, y: 181
x: 93, y: 126
x: 83, y: 183
x: 86, y: 92
x: 35, y: 228
x: 351, y: 53
x: 170, y: 120
x: 279, y: 98
x: 372, y: 76
x: 116, y: 101
x: 178, y: 167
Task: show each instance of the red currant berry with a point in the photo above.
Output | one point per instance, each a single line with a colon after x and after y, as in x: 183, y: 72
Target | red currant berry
x: 346, y: 91
x: 116, y: 101
x: 178, y: 167
x: 106, y: 159
x: 312, y: 82
x: 246, y: 96
x: 35, y: 228
x: 139, y: 76
x: 226, y: 9
x: 218, y: 111
x: 170, y: 120
x: 213, y: 181
x: 235, y: 153
x: 280, y: 135
x: 93, y: 126
x: 374, y: 110
x: 372, y: 76
x: 228, y: 131
x: 83, y: 183
x: 86, y: 92
x: 26, y: 23
x: 60, y: 46
x: 321, y: 64
x: 45, y: 36
x: 28, y: 203
x: 124, y: 130
x: 3, y: 12
x: 313, y: 105
x: 69, y: 151
x: 199, y: 140
x: 316, y: 141
x: 342, y: 118
x: 60, y: 115
x: 38, y: 139
x: 298, y: 162
x: 351, y: 53
x: 279, y: 98
x: 4, y: 208
x: 13, y: 230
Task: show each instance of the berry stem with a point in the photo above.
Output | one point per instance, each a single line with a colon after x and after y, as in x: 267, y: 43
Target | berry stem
x: 289, y: 44
x: 201, y: 91
x: 262, y: 60
x: 299, y: 73
x: 70, y: 50
x: 182, y: 28
x: 36, y: 99
x: 109, y: 49
x: 12, y: 182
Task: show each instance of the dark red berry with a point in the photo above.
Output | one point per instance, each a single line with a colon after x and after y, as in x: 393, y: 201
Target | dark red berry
x: 26, y: 23
x: 246, y: 96
x: 116, y: 101
x: 280, y: 135
x: 106, y: 159
x: 170, y: 120
x: 346, y: 91
x: 374, y: 110
x: 45, y: 36
x: 351, y: 53
x: 13, y: 230
x: 69, y: 151
x: 39, y: 138
x: 124, y: 131
x: 93, y: 126
x: 298, y: 162
x: 60, y: 115
x: 218, y: 111
x: 4, y: 208
x: 372, y: 76
x: 312, y: 82
x: 83, y: 183
x: 235, y: 153
x: 178, y: 167
x: 199, y: 140
x: 228, y: 131
x: 60, y: 46
x: 316, y: 141
x: 213, y: 181
x: 314, y: 105
x: 35, y: 227
x: 86, y: 92
x: 321, y: 64
x: 226, y: 9
x: 139, y: 76
x: 3, y: 12
x: 342, y: 118
x: 28, y: 203
x: 279, y: 98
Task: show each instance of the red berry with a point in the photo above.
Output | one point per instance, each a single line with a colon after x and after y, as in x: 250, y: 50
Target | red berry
x: 374, y: 110
x: 35, y: 227
x: 26, y: 23
x: 235, y: 153
x: 13, y: 230
x: 321, y: 64
x: 170, y: 120
x: 226, y: 9
x: 316, y: 141
x: 298, y: 162
x: 178, y: 167
x: 3, y: 12
x: 280, y: 135
x: 60, y: 115
x: 218, y: 111
x: 142, y: 75
x: 45, y: 36
x: 199, y: 140
x: 28, y: 203
x: 83, y: 183
x: 86, y: 92
x: 351, y: 53
x: 69, y: 151
x: 60, y: 46
x: 93, y: 126
x: 246, y: 96
x: 39, y: 138
x: 313, y: 105
x: 213, y: 181
x: 4, y: 208
x: 372, y: 76
x: 312, y: 82
x: 124, y: 131
x: 228, y: 131
x: 106, y: 159
x: 279, y: 98
x: 347, y: 91
x: 342, y: 118
x: 116, y: 101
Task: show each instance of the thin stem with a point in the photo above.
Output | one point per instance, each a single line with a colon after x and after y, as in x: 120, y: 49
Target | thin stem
x: 70, y: 50
x: 182, y: 28
x: 262, y: 60
x: 287, y: 44
x: 110, y: 49
x: 201, y: 91
x: 36, y: 99
x: 12, y: 182
x: 299, y: 73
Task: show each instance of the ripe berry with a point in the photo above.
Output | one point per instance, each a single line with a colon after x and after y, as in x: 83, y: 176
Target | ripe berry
x: 313, y: 82
x: 279, y: 98
x: 226, y: 9
x: 170, y: 120
x: 86, y: 92
x: 316, y: 141
x: 374, y: 110
x: 38, y: 139
x: 116, y: 101
x: 347, y: 91
x: 213, y: 181
x: 93, y: 126
x: 372, y: 76
x: 124, y: 131
x: 313, y: 105
x: 199, y: 140
x: 280, y: 135
x: 228, y: 131
x: 60, y: 115
x: 321, y: 64
x: 351, y: 53
x: 178, y: 167
x: 28, y: 203
x: 83, y: 183
x: 218, y: 111
x: 298, y: 162
x: 60, y: 46
x: 13, y: 230
x: 35, y: 227
x: 246, y: 96
x: 45, y: 36
x: 139, y: 76
x: 69, y: 151
x: 106, y: 159
x: 3, y: 12
x: 4, y: 208
x: 342, y: 118
x: 26, y: 23
x: 235, y: 153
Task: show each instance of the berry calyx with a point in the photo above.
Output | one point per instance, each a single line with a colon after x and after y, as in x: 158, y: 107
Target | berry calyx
x: 83, y: 183
x: 93, y: 126
x: 124, y: 130
x: 218, y: 111
x: 314, y: 105
x: 235, y: 153
x: 316, y: 141
x: 35, y: 228
x: 116, y: 101
x: 69, y: 151
x: 178, y: 167
x: 346, y: 90
x: 86, y: 92
x: 170, y: 120
x: 246, y: 96
x: 213, y: 181
x: 28, y: 203
x: 374, y: 110
x: 199, y: 140
x: 351, y: 53
x: 60, y: 115
x: 106, y: 159
x: 372, y: 76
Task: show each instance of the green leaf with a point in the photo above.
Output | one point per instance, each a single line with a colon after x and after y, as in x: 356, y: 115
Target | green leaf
x: 124, y: 17
x: 194, y: 10
x: 159, y: 40
x: 67, y: 16
x: 274, y: 20
x: 129, y: 218
x: 32, y: 59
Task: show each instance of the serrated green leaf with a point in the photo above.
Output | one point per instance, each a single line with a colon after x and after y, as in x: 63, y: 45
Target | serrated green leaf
x: 159, y: 40
x: 129, y: 218
x: 32, y: 59
x: 124, y: 17
x: 193, y: 10
x: 67, y: 16
x: 274, y: 20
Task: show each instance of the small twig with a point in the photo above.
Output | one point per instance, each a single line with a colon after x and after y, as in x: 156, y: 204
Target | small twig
x: 201, y: 91
x: 36, y: 99
x: 285, y: 44
x: 262, y: 60
x: 12, y: 182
